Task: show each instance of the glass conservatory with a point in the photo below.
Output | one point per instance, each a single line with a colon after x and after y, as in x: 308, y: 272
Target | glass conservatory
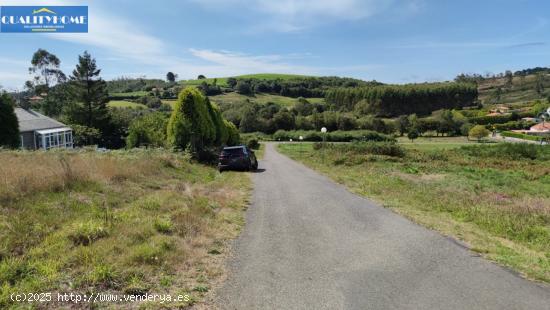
x: 54, y: 138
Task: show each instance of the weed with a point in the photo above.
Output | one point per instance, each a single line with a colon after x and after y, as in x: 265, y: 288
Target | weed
x: 85, y: 233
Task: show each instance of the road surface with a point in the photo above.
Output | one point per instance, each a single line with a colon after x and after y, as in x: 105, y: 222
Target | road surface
x: 310, y: 244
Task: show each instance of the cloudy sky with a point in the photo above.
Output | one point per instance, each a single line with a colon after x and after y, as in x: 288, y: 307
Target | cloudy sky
x: 394, y: 41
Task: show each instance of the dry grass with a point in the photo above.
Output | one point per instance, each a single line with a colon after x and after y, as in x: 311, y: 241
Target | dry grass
x: 23, y: 173
x: 121, y: 222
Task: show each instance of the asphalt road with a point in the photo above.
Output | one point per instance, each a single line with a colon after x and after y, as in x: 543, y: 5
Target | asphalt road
x: 310, y: 244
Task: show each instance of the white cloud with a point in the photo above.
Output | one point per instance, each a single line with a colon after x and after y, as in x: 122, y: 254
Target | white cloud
x: 115, y: 33
x: 296, y: 15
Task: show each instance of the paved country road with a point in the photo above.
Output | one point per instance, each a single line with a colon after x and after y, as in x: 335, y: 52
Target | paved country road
x: 310, y: 244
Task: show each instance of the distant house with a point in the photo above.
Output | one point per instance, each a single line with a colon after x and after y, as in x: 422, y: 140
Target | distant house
x: 499, y: 111
x: 542, y: 128
x: 41, y: 132
x: 538, y: 129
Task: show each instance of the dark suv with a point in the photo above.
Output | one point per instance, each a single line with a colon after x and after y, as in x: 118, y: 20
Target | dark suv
x: 237, y: 157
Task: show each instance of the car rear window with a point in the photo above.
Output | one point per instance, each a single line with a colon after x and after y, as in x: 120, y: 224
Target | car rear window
x: 232, y: 152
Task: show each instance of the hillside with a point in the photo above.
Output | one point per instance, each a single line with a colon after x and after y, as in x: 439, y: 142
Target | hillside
x: 522, y: 89
x: 222, y: 81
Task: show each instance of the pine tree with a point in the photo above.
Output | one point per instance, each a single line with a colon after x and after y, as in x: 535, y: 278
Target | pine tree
x: 9, y: 126
x: 90, y: 93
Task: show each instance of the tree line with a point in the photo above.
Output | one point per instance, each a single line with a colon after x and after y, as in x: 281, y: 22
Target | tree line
x: 395, y: 100
x: 307, y: 87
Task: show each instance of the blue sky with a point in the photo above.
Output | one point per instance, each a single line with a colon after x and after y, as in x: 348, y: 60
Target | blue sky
x: 393, y: 41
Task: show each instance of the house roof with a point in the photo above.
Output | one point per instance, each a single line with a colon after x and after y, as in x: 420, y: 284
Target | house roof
x: 30, y: 120
x: 541, y: 127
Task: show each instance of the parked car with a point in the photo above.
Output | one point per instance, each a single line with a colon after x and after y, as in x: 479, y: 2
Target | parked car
x: 237, y: 158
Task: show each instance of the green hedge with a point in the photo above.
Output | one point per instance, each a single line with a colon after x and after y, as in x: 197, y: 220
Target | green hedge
x: 335, y: 136
x: 520, y: 136
x: 499, y: 119
x: 511, y: 125
x: 516, y: 151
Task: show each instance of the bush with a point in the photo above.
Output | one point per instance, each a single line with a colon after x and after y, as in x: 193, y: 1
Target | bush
x: 478, y: 132
x: 520, y: 136
x: 335, y: 136
x: 361, y: 148
x: 149, y: 129
x: 511, y: 125
x: 253, y: 143
x: 514, y: 151
x: 233, y: 137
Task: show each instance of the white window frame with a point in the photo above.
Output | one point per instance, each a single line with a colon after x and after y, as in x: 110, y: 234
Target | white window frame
x: 55, y: 138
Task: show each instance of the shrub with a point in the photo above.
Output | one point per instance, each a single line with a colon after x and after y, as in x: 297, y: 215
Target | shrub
x: 511, y: 125
x: 335, y: 136
x: 478, y: 132
x: 87, y: 232
x: 233, y: 137
x: 253, y: 143
x: 149, y: 129
x: 514, y: 151
x: 520, y: 136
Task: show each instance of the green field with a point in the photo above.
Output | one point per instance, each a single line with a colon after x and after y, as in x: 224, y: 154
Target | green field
x: 492, y: 196
x: 122, y: 222
x: 125, y: 104
x: 140, y: 93
x: 233, y: 97
x: 434, y: 143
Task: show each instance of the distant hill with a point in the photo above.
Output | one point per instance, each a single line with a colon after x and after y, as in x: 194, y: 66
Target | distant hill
x: 509, y: 88
x: 222, y: 81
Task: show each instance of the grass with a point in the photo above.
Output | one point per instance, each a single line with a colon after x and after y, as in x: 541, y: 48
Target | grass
x: 483, y: 194
x: 133, y: 94
x: 126, y: 222
x: 126, y: 104
x: 233, y: 97
x: 434, y: 143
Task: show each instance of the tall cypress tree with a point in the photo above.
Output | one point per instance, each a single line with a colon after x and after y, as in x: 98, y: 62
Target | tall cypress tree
x: 90, y: 93
x: 9, y: 126
x: 190, y: 122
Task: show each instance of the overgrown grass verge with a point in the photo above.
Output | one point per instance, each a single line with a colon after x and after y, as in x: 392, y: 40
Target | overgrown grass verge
x: 496, y: 198
x: 124, y: 222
